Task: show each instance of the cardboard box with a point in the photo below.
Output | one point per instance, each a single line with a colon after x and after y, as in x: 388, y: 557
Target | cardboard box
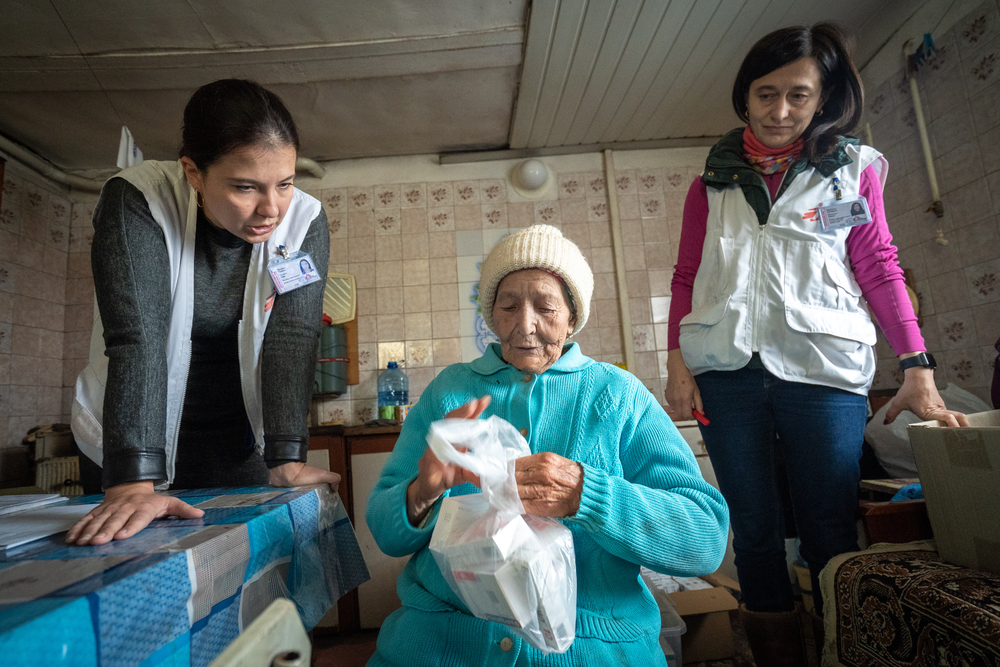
x: 959, y: 471
x: 709, y: 635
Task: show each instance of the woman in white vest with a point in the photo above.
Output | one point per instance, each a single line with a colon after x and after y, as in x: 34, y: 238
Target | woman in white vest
x: 770, y: 340
x: 200, y: 373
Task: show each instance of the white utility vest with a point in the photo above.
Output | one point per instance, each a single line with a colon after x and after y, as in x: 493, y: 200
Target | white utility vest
x: 171, y: 201
x: 784, y: 289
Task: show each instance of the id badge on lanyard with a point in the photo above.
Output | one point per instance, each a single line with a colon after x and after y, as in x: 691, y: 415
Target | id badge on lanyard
x: 843, y: 211
x: 291, y: 271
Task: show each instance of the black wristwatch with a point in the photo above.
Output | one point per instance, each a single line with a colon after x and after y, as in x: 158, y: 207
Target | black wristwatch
x: 925, y: 359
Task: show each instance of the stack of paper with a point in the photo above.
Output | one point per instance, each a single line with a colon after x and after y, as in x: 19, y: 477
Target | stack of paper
x: 9, y: 504
x: 20, y: 528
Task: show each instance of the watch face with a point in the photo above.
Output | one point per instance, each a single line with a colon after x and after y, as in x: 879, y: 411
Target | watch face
x: 929, y: 361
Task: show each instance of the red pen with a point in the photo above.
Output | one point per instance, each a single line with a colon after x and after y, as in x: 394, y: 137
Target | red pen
x: 700, y: 417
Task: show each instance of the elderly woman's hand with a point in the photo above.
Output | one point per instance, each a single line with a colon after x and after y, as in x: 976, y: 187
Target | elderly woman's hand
x: 549, y: 485
x: 435, y: 477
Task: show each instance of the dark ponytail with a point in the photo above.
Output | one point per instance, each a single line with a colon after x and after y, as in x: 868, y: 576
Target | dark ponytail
x: 225, y: 115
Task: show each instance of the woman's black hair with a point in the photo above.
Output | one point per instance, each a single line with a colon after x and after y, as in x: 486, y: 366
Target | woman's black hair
x: 831, y: 48
x: 228, y: 114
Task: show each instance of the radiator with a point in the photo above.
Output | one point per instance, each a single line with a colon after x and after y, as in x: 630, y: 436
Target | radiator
x: 59, y: 475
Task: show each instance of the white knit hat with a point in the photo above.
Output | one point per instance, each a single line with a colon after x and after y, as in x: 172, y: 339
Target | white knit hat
x: 537, y: 247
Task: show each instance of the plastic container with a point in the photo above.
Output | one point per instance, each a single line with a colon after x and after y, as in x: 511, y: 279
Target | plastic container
x: 672, y: 626
x: 331, y: 369
x: 393, y: 392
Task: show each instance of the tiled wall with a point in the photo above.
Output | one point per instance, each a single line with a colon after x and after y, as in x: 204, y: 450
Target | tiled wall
x: 415, y: 249
x: 650, y: 206
x: 34, y: 246
x: 959, y: 283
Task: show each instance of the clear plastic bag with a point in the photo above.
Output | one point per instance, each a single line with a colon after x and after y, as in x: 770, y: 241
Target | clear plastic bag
x: 505, y: 565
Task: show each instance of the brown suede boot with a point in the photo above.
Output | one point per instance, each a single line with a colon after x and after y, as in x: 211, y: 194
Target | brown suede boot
x: 775, y: 638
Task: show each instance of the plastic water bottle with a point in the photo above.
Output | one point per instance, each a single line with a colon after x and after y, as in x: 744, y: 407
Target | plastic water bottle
x: 393, y: 390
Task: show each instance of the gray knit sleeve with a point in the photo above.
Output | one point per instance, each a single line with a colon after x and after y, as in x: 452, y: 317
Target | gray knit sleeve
x: 132, y: 284
x: 288, y: 364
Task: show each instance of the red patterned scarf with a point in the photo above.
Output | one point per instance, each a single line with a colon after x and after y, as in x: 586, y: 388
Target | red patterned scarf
x: 769, y: 160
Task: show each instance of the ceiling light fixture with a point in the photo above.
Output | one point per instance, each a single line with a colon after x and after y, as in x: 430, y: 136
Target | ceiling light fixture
x: 531, y: 179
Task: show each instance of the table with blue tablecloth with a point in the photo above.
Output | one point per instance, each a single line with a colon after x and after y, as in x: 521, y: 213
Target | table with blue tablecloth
x: 181, y: 590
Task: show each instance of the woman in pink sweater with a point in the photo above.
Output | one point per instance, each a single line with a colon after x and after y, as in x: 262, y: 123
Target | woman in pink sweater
x: 769, y: 336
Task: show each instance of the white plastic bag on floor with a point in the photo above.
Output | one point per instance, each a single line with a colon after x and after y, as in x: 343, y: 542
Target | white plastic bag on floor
x: 506, y: 566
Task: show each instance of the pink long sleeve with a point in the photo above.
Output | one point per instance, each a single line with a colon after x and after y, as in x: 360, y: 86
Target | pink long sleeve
x: 869, y: 248
x: 873, y: 258
x: 693, y: 227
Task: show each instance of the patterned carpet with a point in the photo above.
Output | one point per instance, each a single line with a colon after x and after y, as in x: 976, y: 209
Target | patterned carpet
x: 909, y: 607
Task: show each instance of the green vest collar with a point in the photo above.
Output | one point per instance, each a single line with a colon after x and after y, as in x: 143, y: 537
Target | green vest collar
x: 725, y: 166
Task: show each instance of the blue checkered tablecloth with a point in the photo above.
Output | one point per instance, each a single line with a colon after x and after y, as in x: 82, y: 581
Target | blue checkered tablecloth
x: 180, y: 591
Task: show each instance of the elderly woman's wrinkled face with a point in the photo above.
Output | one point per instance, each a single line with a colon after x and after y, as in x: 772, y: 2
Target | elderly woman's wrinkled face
x: 532, y: 319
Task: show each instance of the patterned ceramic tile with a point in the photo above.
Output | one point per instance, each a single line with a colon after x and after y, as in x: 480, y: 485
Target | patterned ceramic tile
x: 572, y: 186
x: 57, y: 236
x: 387, y: 222
x: 10, y: 218
x: 625, y: 182
x: 977, y: 29
x: 441, y: 218
x: 595, y: 184
x: 419, y: 353
x: 35, y: 199
x: 649, y: 180
x: 440, y: 194
x: 336, y: 222
x: 675, y: 179
x: 413, y: 195
x: 59, y: 210
x: 984, y: 282
x: 983, y: 68
x: 386, y: 196
x: 547, y: 212
x: 958, y: 329
x: 334, y: 200
x: 651, y: 206
x: 964, y: 367
x: 467, y: 192
x: 494, y: 216
x: 597, y: 211
x: 492, y: 191
x: 360, y: 199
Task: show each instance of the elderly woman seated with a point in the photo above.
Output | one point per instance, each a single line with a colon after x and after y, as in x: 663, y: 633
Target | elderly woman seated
x: 606, y: 460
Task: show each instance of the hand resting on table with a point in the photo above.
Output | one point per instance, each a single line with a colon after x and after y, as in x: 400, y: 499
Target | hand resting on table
x: 128, y: 508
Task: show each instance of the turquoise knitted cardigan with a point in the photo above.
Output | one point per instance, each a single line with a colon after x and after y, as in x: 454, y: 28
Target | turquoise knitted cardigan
x: 644, y: 503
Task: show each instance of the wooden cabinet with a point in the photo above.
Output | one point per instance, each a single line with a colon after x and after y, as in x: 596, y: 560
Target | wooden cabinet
x: 358, y: 455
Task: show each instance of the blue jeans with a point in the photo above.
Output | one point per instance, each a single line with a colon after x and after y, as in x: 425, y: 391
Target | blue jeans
x: 819, y: 431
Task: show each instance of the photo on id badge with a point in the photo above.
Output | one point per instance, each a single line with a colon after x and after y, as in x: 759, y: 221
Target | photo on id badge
x: 848, y: 212
x: 292, y: 270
